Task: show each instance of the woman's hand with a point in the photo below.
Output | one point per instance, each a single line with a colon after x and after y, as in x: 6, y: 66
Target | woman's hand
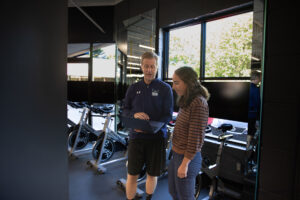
x: 183, y: 168
x: 182, y: 171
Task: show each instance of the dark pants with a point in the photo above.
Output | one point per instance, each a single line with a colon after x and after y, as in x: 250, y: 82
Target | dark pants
x: 251, y: 126
x: 183, y: 188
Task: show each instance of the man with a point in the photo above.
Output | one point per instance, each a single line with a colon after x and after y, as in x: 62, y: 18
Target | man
x: 254, y: 104
x: 148, y: 99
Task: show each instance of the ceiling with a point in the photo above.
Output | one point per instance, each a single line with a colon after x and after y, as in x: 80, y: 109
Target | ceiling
x: 85, y: 3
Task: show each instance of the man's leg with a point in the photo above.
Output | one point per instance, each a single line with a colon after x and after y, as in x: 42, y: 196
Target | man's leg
x: 131, y: 185
x: 155, y: 162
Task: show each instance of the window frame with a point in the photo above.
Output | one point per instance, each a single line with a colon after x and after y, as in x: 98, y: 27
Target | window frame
x: 202, y: 20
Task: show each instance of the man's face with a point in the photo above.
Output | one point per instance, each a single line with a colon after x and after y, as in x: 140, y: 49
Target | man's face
x: 149, y: 68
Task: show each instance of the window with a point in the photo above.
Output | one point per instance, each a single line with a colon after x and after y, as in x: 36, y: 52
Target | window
x: 77, y: 71
x: 229, y: 46
x: 184, y: 48
x: 104, y: 63
x: 226, y: 44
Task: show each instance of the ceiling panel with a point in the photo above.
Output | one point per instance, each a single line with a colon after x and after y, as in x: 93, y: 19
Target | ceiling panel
x: 85, y: 3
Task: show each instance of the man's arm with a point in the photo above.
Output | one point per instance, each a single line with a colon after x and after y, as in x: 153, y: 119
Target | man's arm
x: 167, y: 106
x: 127, y: 108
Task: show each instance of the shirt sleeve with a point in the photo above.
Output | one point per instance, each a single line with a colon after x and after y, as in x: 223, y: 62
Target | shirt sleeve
x: 167, y: 105
x: 197, y: 124
x: 127, y: 108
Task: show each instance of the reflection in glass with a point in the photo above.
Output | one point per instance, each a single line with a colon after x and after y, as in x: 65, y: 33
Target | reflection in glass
x: 104, y: 63
x: 79, y: 50
x: 77, y: 71
x: 255, y: 91
x: 141, y: 37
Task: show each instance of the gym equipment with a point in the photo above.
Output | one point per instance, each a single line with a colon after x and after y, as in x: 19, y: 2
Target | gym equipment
x: 70, y: 123
x: 217, y: 186
x: 82, y: 133
x: 109, y: 138
x: 116, y: 137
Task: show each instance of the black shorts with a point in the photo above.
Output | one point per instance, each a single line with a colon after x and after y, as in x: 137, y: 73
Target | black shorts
x: 148, y: 152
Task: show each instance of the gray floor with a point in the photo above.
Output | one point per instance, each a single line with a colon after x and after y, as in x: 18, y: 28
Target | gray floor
x: 86, y: 184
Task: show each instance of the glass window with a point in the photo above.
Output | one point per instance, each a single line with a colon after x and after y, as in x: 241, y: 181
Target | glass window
x: 229, y: 46
x: 184, y: 48
x: 77, y: 71
x: 104, y: 63
x: 78, y: 50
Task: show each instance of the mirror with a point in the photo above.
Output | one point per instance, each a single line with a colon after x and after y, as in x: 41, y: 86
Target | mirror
x: 255, y: 92
x: 141, y: 37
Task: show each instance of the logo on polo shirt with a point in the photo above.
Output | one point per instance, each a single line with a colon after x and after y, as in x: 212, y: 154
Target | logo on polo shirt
x: 155, y: 92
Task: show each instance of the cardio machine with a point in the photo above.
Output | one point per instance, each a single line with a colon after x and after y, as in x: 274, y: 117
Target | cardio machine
x: 217, y: 187
x: 83, y: 133
x: 99, y: 149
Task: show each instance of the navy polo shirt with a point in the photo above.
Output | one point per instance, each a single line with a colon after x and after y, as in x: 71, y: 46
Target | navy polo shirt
x: 254, y: 102
x: 155, y: 99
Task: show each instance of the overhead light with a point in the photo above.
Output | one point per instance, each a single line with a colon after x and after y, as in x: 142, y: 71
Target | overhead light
x: 131, y: 63
x: 136, y: 57
x: 254, y: 58
x: 146, y: 47
x: 133, y: 68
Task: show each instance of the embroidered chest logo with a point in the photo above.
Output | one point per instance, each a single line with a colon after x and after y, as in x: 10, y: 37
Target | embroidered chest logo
x: 138, y: 92
x: 155, y: 92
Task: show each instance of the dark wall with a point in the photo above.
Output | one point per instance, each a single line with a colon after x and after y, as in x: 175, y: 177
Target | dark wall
x: 130, y: 8
x: 33, y: 98
x: 172, y: 13
x: 279, y: 165
x: 95, y: 92
x: 82, y: 30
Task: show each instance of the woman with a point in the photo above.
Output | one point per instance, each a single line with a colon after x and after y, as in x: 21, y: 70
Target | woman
x: 188, y: 135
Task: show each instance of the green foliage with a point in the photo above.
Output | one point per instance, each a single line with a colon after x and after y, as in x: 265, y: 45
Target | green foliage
x: 229, y: 55
x: 99, y: 53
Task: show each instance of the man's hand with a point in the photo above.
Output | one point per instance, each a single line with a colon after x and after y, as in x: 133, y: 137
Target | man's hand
x: 140, y: 115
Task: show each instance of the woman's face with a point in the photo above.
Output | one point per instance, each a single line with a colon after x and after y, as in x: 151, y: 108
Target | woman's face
x: 179, y: 86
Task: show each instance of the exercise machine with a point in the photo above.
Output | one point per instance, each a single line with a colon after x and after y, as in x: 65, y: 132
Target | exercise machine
x: 217, y: 186
x: 99, y: 149
x: 83, y: 134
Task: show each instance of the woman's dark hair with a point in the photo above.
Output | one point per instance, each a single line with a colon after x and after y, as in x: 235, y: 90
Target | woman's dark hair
x: 194, y: 87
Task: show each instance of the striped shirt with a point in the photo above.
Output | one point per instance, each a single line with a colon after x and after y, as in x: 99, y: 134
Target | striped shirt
x: 188, y: 136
